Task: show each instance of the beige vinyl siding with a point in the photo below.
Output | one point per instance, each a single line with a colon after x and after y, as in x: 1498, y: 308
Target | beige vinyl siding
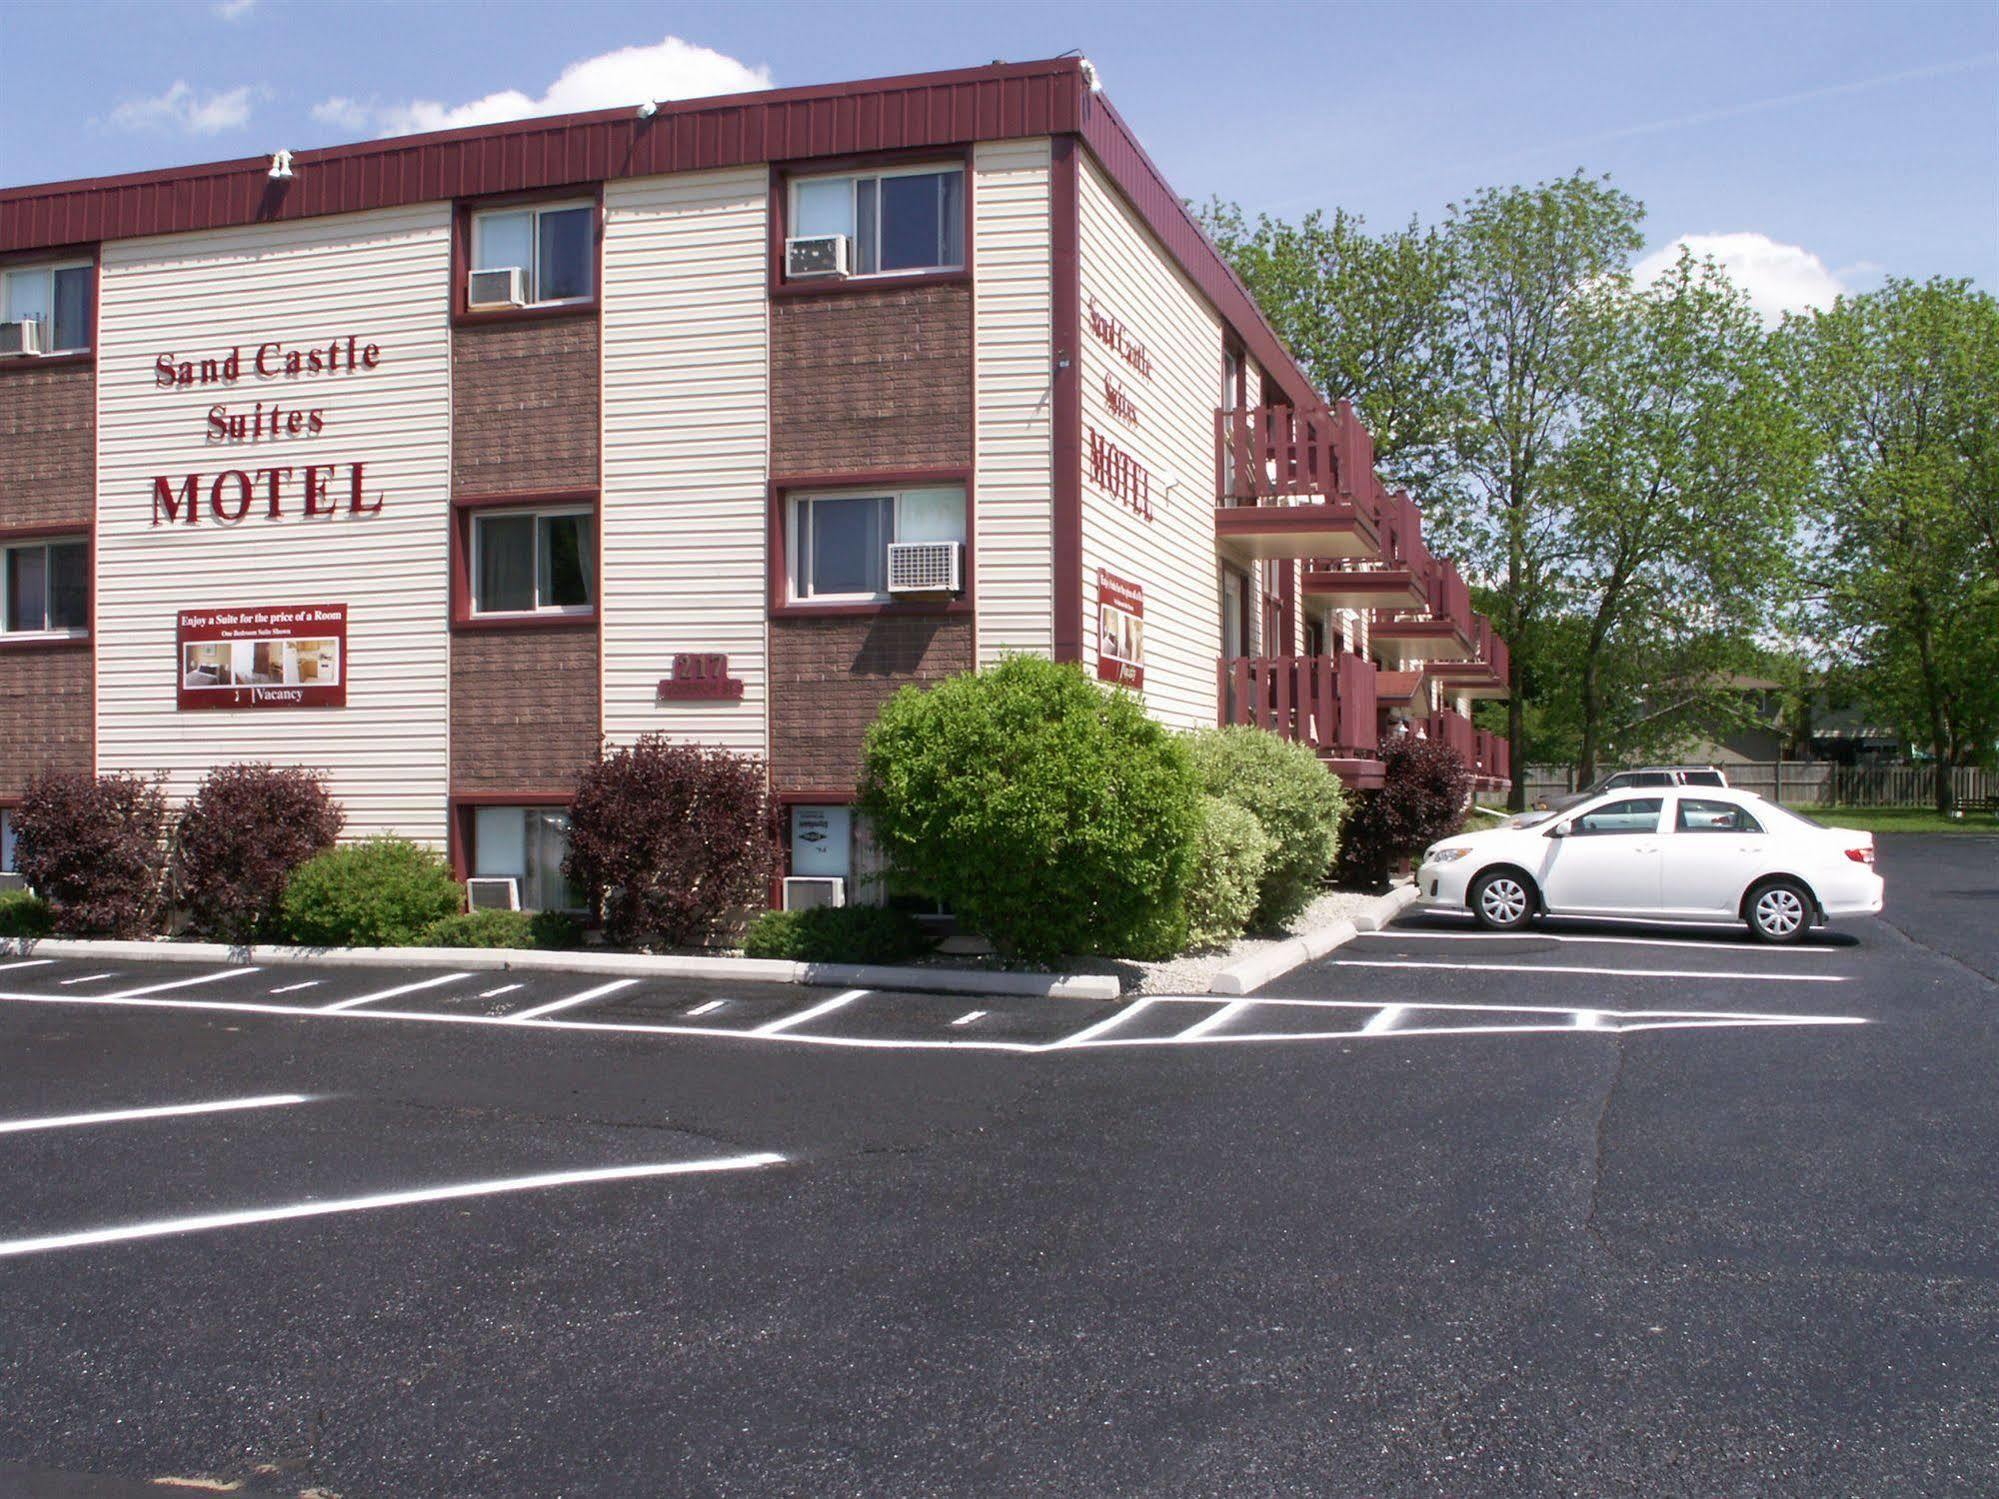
x: 1013, y: 412
x: 1173, y: 555
x: 686, y: 449
x: 385, y: 278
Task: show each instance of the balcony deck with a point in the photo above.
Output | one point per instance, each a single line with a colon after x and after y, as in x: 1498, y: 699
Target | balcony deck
x: 1327, y: 702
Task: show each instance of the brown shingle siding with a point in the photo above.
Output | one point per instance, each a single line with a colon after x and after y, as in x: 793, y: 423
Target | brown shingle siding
x: 524, y: 709
x: 48, y: 446
x: 45, y: 712
x: 829, y: 677
x: 874, y: 381
x: 524, y: 405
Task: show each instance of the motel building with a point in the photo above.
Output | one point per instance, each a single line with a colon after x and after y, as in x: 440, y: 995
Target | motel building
x: 435, y: 463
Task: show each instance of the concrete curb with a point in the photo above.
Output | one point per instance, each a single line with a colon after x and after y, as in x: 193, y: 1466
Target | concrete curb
x: 1252, y: 973
x: 618, y: 965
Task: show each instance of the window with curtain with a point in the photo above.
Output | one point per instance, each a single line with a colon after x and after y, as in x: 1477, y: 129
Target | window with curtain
x: 57, y: 297
x: 528, y: 845
x: 530, y: 562
x: 839, y: 542
x: 45, y: 588
x: 897, y: 221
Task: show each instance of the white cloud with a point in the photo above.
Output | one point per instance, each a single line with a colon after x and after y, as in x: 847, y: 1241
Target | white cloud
x: 670, y: 69
x: 234, y: 10
x: 187, y: 109
x: 1777, y: 278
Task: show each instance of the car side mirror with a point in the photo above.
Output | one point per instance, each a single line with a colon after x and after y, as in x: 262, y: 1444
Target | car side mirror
x: 1559, y: 830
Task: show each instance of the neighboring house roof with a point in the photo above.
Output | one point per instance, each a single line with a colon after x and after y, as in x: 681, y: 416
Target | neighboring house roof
x: 1397, y: 686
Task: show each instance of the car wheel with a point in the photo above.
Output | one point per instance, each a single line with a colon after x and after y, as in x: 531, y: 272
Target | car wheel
x: 1502, y: 900
x: 1780, y: 911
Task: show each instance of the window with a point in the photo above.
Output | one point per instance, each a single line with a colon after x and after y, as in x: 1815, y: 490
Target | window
x: 822, y: 841
x: 7, y: 842
x: 895, y: 221
x: 534, y: 562
x: 1696, y: 816
x: 1638, y: 815
x: 57, y: 297
x: 555, y: 246
x: 527, y: 844
x: 1702, y: 778
x: 45, y: 588
x: 839, y: 542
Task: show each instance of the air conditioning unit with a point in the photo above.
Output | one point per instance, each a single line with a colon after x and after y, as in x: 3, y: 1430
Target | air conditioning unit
x: 12, y: 881
x: 926, y: 567
x: 816, y: 255
x: 488, y: 893
x: 24, y: 337
x: 803, y: 894
x: 506, y: 287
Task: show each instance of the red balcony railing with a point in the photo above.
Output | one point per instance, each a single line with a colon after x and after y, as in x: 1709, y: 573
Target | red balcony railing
x: 1324, y: 701
x: 1450, y: 599
x: 1502, y: 661
x: 1495, y: 755
x: 1274, y: 452
x: 1453, y: 728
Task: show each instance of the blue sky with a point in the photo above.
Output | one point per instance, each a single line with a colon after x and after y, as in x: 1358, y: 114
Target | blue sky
x: 1818, y: 146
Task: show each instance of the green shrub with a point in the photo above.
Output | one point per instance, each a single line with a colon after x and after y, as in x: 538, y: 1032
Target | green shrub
x: 1050, y: 814
x: 549, y: 929
x: 1297, y: 801
x: 385, y: 892
x: 836, y: 934
x: 24, y: 914
x: 1230, y: 854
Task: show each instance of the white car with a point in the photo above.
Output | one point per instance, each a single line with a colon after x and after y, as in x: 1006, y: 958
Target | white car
x: 1670, y: 853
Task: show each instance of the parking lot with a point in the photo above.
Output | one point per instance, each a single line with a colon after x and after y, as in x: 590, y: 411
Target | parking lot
x: 1596, y: 1208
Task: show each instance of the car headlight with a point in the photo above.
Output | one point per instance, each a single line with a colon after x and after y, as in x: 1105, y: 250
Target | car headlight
x: 1445, y: 855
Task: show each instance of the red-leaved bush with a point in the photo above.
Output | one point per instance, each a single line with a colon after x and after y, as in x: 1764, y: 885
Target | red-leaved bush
x: 238, y: 841
x: 93, y: 848
x: 1422, y: 799
x: 679, y: 842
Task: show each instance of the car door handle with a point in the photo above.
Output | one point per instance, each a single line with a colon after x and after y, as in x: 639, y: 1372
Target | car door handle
x: 1646, y: 848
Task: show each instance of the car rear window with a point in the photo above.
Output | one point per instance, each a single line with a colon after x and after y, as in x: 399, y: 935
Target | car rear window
x: 1704, y: 778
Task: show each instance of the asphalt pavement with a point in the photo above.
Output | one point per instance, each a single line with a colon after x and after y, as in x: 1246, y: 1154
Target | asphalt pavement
x: 1600, y: 1210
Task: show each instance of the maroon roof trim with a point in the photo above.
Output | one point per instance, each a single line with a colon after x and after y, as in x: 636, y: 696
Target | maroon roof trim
x: 1002, y: 102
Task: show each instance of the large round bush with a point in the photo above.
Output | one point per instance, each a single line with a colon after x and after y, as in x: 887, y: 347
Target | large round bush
x: 93, y: 848
x: 681, y: 842
x: 238, y: 841
x: 1425, y: 790
x: 1048, y: 813
x: 385, y: 892
x: 1297, y: 801
x: 1230, y: 853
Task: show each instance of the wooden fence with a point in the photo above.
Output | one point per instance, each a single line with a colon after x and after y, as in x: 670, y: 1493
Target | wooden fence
x: 1812, y: 783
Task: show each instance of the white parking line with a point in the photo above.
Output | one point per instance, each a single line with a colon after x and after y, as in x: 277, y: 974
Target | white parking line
x: 1426, y: 934
x: 824, y: 1007
x: 207, y: 1221
x: 88, y: 978
x: 27, y: 963
x: 1636, y: 973
x: 161, y: 1111
x: 1384, y: 1020
x: 1116, y: 1018
x: 363, y: 999
x: 200, y: 978
x: 294, y: 988
x: 703, y: 1009
x: 1216, y: 1021
x: 965, y: 1019
x: 575, y: 999
x: 503, y: 989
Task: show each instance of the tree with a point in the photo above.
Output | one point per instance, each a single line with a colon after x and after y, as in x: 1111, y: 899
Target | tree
x: 1367, y: 317
x: 1527, y: 263
x: 1896, y: 385
x: 1679, y: 484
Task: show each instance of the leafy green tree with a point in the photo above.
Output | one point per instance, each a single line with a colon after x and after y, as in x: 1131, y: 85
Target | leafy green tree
x: 1897, y: 386
x: 1679, y: 483
x: 1366, y: 315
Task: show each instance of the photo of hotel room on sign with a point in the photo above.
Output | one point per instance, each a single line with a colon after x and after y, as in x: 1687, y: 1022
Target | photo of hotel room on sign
x: 1120, y: 631
x: 263, y: 658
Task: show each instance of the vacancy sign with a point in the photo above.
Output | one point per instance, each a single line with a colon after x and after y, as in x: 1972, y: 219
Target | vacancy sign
x: 1120, y: 630
x: 292, y: 657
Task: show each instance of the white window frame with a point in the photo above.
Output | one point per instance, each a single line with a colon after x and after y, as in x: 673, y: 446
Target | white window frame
x: 853, y: 180
x: 533, y: 268
x: 8, y: 838
x: 47, y: 632
x: 48, y: 268
x: 797, y: 560
x: 538, y: 513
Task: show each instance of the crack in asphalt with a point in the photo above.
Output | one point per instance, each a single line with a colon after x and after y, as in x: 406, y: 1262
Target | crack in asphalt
x: 1908, y: 936
x: 1590, y: 1225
